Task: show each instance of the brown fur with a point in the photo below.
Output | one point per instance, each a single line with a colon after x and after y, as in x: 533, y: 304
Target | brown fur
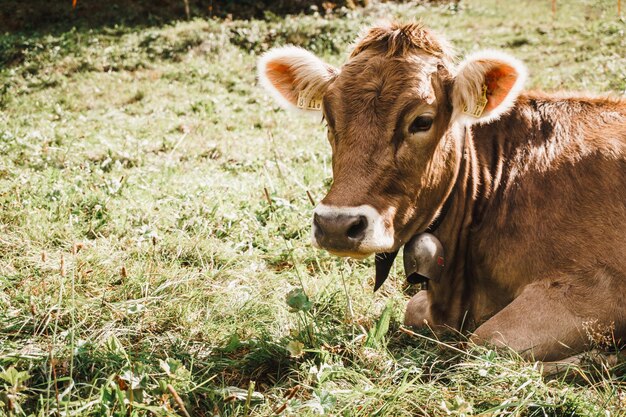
x: 398, y: 40
x: 536, y: 234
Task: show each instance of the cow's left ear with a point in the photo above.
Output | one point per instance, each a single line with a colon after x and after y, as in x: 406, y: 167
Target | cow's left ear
x: 486, y: 86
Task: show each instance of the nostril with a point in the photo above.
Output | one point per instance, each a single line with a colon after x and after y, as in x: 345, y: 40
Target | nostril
x: 356, y: 230
x: 317, y: 227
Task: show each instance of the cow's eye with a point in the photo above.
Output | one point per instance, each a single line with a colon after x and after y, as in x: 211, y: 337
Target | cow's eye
x: 421, y: 124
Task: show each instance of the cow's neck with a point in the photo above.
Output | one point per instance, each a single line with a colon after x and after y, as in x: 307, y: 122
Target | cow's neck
x: 449, y: 296
x: 478, y: 182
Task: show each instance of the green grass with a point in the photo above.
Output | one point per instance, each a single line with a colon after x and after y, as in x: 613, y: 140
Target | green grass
x: 138, y: 249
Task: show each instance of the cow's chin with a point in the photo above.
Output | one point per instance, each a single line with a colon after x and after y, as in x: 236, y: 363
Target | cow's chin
x: 354, y: 255
x: 363, y: 251
x: 368, y: 247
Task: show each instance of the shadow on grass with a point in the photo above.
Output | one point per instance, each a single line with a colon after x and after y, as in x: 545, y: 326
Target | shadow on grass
x: 44, y: 16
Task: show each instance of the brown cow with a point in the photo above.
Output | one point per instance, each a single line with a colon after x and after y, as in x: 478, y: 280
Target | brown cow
x: 533, y: 184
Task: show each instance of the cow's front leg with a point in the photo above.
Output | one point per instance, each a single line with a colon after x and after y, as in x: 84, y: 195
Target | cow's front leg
x: 418, y: 311
x: 540, y: 324
x: 594, y: 358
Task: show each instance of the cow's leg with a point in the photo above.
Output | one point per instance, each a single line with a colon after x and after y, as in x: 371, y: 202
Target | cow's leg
x: 562, y: 366
x: 417, y: 312
x: 540, y: 324
x: 595, y: 357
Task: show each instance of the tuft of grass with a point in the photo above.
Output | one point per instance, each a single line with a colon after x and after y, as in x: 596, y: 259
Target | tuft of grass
x: 154, y: 207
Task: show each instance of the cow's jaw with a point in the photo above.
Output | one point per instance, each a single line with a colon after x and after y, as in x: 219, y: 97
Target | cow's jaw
x: 356, y: 231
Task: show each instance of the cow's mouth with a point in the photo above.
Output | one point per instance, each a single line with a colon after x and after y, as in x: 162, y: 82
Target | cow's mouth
x: 344, y: 254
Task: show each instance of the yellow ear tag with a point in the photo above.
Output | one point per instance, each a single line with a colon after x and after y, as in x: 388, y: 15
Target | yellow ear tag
x: 314, y: 103
x: 479, y: 108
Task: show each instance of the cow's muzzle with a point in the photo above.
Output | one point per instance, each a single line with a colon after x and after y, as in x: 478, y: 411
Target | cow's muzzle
x: 352, y: 231
x: 339, y: 231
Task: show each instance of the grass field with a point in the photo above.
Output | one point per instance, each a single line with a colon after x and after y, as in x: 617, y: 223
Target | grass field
x: 154, y: 228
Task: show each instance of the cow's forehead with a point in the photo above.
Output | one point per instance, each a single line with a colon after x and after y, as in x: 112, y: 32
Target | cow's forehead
x: 375, y: 87
x: 375, y: 71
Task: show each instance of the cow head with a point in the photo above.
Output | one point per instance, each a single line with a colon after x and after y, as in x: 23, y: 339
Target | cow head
x: 396, y: 114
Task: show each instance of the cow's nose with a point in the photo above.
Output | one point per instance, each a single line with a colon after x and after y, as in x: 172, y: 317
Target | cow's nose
x: 356, y: 231
x: 339, y: 231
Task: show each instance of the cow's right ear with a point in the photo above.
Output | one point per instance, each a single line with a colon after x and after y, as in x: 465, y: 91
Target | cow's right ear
x: 295, y: 77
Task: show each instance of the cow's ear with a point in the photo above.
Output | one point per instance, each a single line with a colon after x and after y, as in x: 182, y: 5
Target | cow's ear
x: 486, y: 86
x: 296, y: 78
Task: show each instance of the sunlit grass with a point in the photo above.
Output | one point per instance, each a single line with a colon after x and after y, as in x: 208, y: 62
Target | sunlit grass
x: 141, y: 259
